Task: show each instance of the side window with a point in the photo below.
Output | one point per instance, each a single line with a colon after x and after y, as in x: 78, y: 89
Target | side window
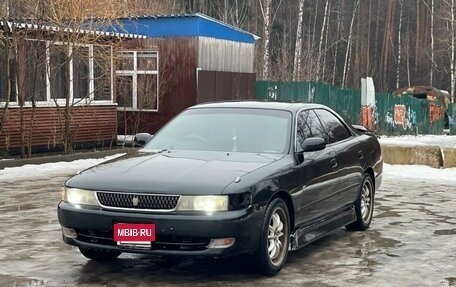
x: 335, y: 129
x: 303, y: 130
x: 309, y: 126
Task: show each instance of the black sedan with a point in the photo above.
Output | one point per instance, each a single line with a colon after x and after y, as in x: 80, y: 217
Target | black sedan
x: 221, y: 179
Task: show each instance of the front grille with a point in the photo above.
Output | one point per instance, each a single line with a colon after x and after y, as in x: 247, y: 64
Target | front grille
x: 138, y: 201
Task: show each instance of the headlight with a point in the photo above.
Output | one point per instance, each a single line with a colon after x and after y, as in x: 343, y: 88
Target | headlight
x: 79, y: 196
x: 205, y: 203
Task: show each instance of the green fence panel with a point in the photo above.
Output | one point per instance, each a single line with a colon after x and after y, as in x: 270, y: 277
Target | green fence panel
x: 346, y: 102
x: 406, y: 115
x: 394, y: 115
x: 283, y: 91
x: 452, y: 118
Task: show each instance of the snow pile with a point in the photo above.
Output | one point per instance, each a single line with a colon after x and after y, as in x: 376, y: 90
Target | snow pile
x: 29, y: 171
x: 421, y: 140
x: 420, y: 173
x: 125, y: 139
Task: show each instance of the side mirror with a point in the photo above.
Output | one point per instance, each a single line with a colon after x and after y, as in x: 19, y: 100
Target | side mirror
x: 141, y: 139
x: 313, y: 144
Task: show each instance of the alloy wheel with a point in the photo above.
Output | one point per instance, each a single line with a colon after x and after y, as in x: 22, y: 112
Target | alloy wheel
x: 366, y: 201
x: 277, y: 236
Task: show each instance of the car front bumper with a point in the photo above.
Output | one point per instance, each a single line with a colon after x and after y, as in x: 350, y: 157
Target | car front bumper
x: 176, y: 234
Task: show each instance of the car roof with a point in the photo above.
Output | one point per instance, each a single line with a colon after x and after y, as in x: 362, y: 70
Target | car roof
x: 292, y: 107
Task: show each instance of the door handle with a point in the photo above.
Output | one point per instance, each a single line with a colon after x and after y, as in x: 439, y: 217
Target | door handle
x: 360, y: 155
x: 333, y: 163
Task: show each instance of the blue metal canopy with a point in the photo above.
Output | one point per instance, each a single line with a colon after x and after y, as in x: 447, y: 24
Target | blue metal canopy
x: 184, y: 25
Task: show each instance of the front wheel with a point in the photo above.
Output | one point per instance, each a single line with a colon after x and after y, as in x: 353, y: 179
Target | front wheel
x: 274, y: 240
x: 364, y: 205
x: 99, y: 254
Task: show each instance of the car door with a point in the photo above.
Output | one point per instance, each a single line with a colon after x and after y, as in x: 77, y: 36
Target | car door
x: 317, y: 171
x: 350, y: 158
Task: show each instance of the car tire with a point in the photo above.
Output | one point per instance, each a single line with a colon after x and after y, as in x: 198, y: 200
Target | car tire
x: 274, y: 240
x: 99, y: 254
x: 364, y: 205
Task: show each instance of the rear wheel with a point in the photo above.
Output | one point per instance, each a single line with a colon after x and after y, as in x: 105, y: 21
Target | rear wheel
x: 364, y: 205
x: 99, y: 254
x: 274, y: 240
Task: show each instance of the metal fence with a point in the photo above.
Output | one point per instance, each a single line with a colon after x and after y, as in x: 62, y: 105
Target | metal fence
x: 392, y: 115
x: 452, y: 118
x: 346, y: 102
x: 407, y: 115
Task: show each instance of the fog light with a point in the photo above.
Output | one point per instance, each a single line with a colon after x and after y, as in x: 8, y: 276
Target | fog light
x: 69, y: 232
x: 221, y: 242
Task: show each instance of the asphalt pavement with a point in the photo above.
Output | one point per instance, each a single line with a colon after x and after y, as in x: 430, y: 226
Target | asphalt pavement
x: 411, y: 242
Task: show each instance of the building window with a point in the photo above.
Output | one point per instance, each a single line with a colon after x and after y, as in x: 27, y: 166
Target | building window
x: 35, y: 73
x: 59, y: 76
x: 137, y: 80
x: 7, y: 81
x: 55, y: 70
x: 124, y: 91
x: 81, y: 72
x: 102, y: 73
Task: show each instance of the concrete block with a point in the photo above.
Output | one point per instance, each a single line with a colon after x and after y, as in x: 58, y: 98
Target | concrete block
x: 449, y: 157
x: 422, y: 155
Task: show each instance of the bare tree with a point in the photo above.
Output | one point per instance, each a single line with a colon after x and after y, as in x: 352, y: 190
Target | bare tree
x: 322, y: 37
x: 453, y: 48
x: 432, y: 42
x: 298, y: 43
x: 399, y: 46
x: 408, y: 56
x: 267, y: 17
x: 336, y: 45
x: 349, y: 44
x: 326, y: 48
x: 141, y: 7
x: 7, y: 49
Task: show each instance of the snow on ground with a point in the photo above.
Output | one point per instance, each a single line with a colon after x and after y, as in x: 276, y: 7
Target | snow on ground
x: 125, y: 139
x: 420, y: 173
x: 420, y: 140
x: 29, y: 171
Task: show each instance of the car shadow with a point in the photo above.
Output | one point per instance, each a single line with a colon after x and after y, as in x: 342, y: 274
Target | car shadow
x: 130, y: 269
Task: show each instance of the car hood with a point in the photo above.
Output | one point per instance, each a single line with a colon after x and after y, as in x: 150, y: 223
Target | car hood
x: 176, y: 172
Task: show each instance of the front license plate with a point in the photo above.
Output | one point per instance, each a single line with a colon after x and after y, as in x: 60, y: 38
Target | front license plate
x: 133, y: 234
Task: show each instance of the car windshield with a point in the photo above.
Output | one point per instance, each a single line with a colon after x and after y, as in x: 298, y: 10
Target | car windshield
x: 227, y: 130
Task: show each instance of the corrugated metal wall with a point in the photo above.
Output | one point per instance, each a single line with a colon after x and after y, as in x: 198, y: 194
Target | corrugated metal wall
x: 407, y: 115
x: 452, y: 118
x: 177, y: 83
x: 223, y: 86
x: 346, y: 102
x: 224, y: 55
x: 90, y: 124
x: 180, y: 57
